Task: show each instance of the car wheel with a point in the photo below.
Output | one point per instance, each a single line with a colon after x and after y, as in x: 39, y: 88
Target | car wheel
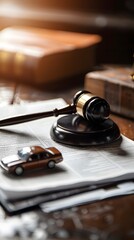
x: 19, y: 171
x: 51, y: 164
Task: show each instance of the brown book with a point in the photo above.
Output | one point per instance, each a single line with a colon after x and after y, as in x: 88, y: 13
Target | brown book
x: 115, y: 84
x: 33, y: 55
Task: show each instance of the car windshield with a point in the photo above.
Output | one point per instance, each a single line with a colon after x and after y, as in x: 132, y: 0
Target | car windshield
x: 24, y: 153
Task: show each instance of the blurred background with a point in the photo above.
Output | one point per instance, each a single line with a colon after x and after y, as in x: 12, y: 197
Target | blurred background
x: 113, y: 20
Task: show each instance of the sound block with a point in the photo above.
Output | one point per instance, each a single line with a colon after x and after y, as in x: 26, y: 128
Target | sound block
x: 76, y: 131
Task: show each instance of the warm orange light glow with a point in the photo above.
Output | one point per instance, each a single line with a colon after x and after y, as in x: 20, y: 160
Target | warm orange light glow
x: 8, y: 9
x: 21, y: 49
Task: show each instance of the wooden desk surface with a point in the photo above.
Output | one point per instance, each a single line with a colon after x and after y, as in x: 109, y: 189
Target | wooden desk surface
x: 108, y: 219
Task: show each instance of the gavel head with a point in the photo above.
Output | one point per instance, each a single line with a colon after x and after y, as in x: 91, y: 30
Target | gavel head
x: 91, y: 107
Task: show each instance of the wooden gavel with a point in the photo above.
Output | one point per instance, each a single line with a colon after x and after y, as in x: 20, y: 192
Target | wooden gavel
x: 84, y: 103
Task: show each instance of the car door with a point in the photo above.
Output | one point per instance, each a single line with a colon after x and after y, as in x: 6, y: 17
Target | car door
x: 33, y: 161
x: 43, y: 159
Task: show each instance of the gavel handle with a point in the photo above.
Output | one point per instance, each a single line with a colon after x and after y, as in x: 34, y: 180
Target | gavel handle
x: 35, y: 116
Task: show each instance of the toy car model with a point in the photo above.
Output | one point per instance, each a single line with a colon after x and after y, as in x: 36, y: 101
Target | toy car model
x: 29, y: 158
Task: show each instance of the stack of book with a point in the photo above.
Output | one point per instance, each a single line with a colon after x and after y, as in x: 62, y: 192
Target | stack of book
x: 115, y: 84
x: 42, y: 56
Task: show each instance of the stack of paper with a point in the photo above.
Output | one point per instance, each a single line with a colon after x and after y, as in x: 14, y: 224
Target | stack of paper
x: 125, y: 188
x: 83, y: 171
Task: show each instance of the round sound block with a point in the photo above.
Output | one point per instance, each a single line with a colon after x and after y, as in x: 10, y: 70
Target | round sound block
x: 75, y: 130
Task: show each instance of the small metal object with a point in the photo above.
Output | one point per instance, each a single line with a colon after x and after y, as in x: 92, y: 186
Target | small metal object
x: 132, y: 76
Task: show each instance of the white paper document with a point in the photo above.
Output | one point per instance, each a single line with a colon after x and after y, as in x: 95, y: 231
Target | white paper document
x: 82, y: 166
x: 88, y: 197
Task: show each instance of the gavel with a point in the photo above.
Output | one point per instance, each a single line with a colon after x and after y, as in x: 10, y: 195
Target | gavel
x: 85, y: 104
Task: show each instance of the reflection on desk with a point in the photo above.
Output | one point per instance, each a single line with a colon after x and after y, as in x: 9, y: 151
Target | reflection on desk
x: 104, y: 220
